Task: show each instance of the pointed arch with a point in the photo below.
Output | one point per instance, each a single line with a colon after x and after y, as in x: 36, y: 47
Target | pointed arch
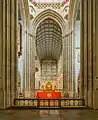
x: 49, y: 13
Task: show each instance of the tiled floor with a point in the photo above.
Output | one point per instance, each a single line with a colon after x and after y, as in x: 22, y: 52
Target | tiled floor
x: 49, y: 114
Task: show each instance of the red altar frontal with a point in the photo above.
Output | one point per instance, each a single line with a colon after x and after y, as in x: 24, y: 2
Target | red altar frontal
x: 49, y: 95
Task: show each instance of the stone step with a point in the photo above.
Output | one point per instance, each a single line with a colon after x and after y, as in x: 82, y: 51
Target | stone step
x: 34, y: 107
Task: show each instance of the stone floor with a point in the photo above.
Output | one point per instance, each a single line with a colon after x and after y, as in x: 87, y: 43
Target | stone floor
x: 49, y: 114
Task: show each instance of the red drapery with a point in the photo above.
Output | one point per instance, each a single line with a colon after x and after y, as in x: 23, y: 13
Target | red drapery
x: 49, y: 95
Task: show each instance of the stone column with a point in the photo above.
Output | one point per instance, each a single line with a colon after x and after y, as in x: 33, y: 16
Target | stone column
x: 94, y: 23
x: 73, y: 62
x: 31, y: 69
x: 70, y: 63
x: 66, y: 63
x: 82, y: 50
x: 66, y: 67
x: 3, y: 81
x: 27, y: 55
x: 29, y: 63
x: 8, y: 54
x: 24, y: 63
x: 8, y: 50
x: 90, y: 53
x: 89, y: 49
x: 14, y: 60
x: 33, y: 47
x: 86, y: 50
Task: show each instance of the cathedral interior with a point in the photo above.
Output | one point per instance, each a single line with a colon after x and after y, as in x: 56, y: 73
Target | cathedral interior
x: 48, y: 59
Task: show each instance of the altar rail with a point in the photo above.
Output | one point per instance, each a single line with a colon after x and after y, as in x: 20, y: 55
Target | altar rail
x: 48, y: 103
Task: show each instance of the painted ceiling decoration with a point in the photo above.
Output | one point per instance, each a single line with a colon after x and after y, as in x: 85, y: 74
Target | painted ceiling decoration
x: 49, y: 39
x: 49, y: 3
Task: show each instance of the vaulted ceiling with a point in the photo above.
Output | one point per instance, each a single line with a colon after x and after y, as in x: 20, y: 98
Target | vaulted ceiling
x: 49, y: 40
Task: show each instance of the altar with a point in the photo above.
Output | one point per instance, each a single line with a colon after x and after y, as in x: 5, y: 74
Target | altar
x: 50, y: 92
x: 48, y: 95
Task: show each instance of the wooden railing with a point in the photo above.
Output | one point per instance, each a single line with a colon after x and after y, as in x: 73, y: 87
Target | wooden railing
x: 48, y: 103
